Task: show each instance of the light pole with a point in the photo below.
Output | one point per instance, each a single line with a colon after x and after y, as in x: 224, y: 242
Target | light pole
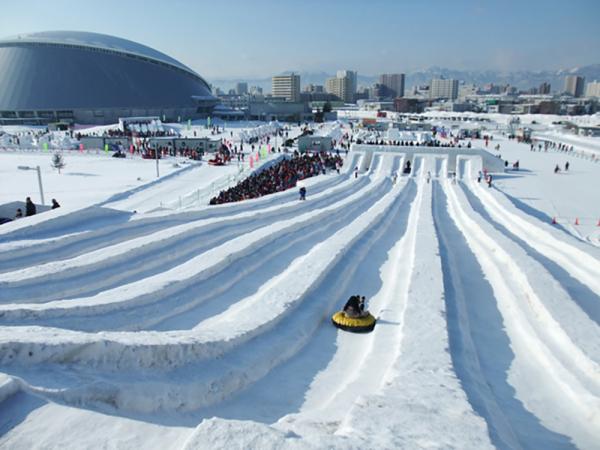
x: 39, y: 174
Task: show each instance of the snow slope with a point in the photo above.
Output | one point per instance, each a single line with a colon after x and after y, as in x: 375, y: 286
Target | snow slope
x: 208, y: 327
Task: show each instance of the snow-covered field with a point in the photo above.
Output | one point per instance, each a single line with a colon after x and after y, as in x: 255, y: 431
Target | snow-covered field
x: 188, y: 326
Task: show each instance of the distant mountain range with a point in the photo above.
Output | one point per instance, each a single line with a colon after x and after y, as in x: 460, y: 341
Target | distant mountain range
x: 521, y: 79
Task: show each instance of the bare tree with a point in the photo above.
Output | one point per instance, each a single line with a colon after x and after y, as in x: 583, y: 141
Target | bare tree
x: 58, y: 162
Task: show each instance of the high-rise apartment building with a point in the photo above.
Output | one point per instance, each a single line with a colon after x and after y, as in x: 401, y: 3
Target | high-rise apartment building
x: 393, y: 83
x: 574, y: 85
x: 442, y: 88
x: 343, y: 85
x: 544, y: 88
x: 287, y: 86
x: 592, y: 89
x: 241, y: 88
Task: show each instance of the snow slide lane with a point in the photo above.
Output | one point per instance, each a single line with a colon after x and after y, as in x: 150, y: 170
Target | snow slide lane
x: 549, y: 374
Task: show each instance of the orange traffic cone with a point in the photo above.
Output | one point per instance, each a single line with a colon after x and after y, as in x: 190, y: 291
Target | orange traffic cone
x: 554, y: 221
x: 576, y: 220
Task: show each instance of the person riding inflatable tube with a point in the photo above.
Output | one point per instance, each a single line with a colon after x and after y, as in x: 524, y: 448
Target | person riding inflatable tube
x: 353, y: 317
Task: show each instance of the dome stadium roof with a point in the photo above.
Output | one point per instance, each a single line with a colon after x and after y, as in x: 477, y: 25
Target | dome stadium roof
x: 93, y: 40
x: 94, y: 78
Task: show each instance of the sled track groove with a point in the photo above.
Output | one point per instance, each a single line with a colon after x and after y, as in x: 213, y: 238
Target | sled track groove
x: 535, y: 343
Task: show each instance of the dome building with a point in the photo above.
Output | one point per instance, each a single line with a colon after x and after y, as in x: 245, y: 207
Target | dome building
x: 91, y: 78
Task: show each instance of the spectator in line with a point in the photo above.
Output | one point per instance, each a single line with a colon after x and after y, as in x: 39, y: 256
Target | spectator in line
x: 30, y: 209
x: 55, y: 204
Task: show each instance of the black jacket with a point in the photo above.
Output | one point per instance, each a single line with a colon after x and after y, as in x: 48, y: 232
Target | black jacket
x: 353, y: 302
x: 29, y: 208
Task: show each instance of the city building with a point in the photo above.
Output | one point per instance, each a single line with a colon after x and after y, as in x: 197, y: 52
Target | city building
x: 574, y: 85
x: 408, y: 105
x: 544, y: 89
x: 241, y: 88
x: 286, y: 86
x: 256, y: 90
x: 548, y: 107
x: 315, y: 144
x: 314, y: 88
x: 317, y: 97
x: 377, y: 92
x: 90, y: 78
x: 282, y: 111
x: 592, y: 89
x: 442, y: 88
x: 393, y: 84
x: 235, y: 101
x: 467, y: 90
x: 343, y: 85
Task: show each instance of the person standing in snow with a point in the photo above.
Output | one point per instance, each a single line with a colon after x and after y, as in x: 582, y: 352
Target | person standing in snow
x: 479, y: 175
x: 55, y: 204
x: 302, y: 192
x: 30, y: 209
x: 428, y: 176
x: 556, y: 169
x: 356, y: 172
x: 567, y: 166
x: 489, y: 180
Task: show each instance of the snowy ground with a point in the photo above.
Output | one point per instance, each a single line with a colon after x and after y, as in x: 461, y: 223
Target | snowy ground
x: 208, y: 327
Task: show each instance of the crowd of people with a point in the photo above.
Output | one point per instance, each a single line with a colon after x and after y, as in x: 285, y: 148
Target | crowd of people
x: 279, y: 177
x: 434, y: 143
x: 552, y: 146
x: 127, y: 132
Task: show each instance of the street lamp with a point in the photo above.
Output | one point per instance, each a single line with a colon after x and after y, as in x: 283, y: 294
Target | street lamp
x: 39, y: 174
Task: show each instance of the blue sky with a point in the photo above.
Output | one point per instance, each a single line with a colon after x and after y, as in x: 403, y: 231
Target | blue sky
x: 257, y: 38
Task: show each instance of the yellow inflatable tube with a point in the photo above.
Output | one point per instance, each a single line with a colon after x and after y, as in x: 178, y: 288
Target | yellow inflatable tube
x: 362, y: 324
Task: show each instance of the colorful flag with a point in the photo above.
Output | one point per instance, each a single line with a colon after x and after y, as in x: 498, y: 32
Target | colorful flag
x: 45, y: 145
x: 81, y: 148
x: 106, y: 148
